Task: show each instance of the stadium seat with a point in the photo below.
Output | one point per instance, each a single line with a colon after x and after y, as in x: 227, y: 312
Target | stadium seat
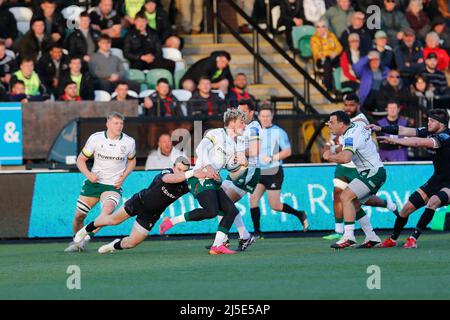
x: 337, y: 81
x: 102, y: 96
x: 23, y: 16
x: 182, y: 95
x: 119, y: 54
x: 146, y: 93
x: 178, y: 75
x: 220, y: 93
x: 136, y: 75
x: 154, y: 75
x: 131, y: 93
x: 301, y: 37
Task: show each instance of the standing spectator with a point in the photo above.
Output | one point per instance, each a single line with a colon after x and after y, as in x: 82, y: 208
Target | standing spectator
x: 349, y: 57
x: 418, y: 19
x: 326, y: 50
x: 239, y: 92
x: 433, y: 46
x: 314, y: 10
x: 358, y: 26
x: 216, y: 68
x: 392, y: 89
x: 338, y: 16
x: 130, y: 9
x: 190, y: 15
x: 205, y: 102
x: 162, y: 103
x: 70, y: 92
x: 386, y: 53
x: 51, y: 66
x: 31, y: 80
x: 121, y: 92
x: 35, y: 42
x: 393, y: 21
x: 8, y: 65
x: 434, y: 76
x: 409, y: 56
x: 444, y: 8
x: 142, y: 47
x: 55, y: 24
x: 165, y: 156
x: 423, y: 92
x: 247, y: 6
x: 83, y: 80
x: 389, y: 152
x: 439, y: 26
x: 9, y: 34
x: 292, y: 15
x: 107, y: 21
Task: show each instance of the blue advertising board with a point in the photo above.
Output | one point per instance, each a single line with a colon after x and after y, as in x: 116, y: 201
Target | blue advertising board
x: 11, y: 134
x: 309, y: 188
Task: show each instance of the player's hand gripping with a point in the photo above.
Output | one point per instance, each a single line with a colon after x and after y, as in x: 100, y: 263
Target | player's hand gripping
x: 92, y: 177
x: 386, y: 139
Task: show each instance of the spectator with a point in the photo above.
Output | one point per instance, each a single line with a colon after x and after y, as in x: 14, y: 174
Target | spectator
x: 82, y: 42
x: 35, y: 42
x: 31, y: 80
x: 205, y: 102
x: 292, y: 15
x: 7, y: 66
x: 216, y: 67
x: 409, y: 56
x: 349, y: 57
x: 392, y: 21
x: 162, y: 103
x: 51, y: 66
x: 432, y: 46
x: 158, y: 21
x: 70, y: 92
x: 165, y: 156
x: 130, y: 9
x: 338, y: 16
x: 371, y: 75
x: 422, y: 92
x: 121, y: 93
x: 9, y: 34
x: 386, y: 53
x: 239, y: 92
x: 247, y: 6
x: 439, y: 26
x: 389, y: 152
x: 142, y: 47
x: 431, y: 9
x: 314, y: 10
x: 55, y: 24
x: 326, y: 50
x: 190, y: 15
x: 434, y: 76
x: 358, y: 26
x: 444, y: 8
x: 83, y: 80
x: 417, y: 18
x: 18, y: 94
x: 107, y: 21
x: 392, y: 89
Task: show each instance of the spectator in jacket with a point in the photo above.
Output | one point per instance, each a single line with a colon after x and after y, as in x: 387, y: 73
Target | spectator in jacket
x: 83, y: 80
x: 386, y: 53
x: 423, y: 92
x: 433, y: 46
x: 142, y: 47
x: 418, y: 19
x: 326, y: 50
x: 239, y: 92
x: 292, y: 15
x: 439, y: 26
x: 35, y: 42
x: 215, y: 67
x: 434, y: 76
x: 393, y: 21
x: 107, y: 21
x: 8, y: 65
x: 121, y: 92
x: 204, y: 102
x: 51, y: 66
x: 358, y: 26
x: 314, y: 10
x: 55, y: 24
x: 31, y: 80
x: 70, y: 92
x: 9, y: 34
x: 162, y: 103
x: 165, y: 156
x: 392, y: 89
x: 18, y: 93
x: 349, y: 57
x: 409, y: 56
x: 338, y: 16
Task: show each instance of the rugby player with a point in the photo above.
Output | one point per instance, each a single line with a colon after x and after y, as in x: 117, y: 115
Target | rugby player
x: 435, y: 192
x: 114, y: 155
x: 147, y: 205
x: 359, y: 148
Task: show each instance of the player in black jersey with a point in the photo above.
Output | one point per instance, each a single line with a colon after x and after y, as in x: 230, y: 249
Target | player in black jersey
x: 148, y: 205
x: 436, y: 192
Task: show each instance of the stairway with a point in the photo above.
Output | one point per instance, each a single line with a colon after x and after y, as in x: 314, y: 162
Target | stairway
x: 200, y: 46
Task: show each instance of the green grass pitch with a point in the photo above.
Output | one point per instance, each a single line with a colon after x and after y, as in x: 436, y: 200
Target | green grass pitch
x: 278, y: 268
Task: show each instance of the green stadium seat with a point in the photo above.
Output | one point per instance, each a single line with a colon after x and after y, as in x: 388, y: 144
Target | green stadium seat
x: 154, y: 75
x: 137, y: 75
x: 337, y: 81
x: 178, y: 75
x: 301, y: 37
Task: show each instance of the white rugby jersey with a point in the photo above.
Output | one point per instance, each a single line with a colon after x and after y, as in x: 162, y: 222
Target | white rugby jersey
x: 358, y: 140
x: 110, y: 156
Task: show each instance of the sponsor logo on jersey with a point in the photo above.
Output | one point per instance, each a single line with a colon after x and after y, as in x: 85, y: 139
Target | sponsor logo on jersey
x: 167, y: 193
x: 348, y: 142
x: 104, y: 157
x: 123, y: 149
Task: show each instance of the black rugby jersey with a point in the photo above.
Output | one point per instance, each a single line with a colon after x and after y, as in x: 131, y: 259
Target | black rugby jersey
x: 441, y: 155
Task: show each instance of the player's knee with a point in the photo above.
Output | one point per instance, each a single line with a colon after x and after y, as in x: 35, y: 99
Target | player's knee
x: 110, y: 203
x: 276, y: 206
x: 82, y: 209
x: 438, y: 200
x: 416, y: 200
x: 347, y: 196
x: 407, y: 210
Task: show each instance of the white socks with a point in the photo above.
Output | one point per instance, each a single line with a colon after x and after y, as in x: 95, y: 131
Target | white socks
x: 366, y: 226
x: 339, y: 227
x: 220, y: 239
x: 239, y: 223
x: 349, y: 233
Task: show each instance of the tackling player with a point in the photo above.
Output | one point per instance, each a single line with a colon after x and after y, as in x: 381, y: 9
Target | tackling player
x: 114, y: 155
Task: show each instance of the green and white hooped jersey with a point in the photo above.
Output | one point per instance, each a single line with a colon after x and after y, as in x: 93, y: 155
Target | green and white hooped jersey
x: 358, y: 140
x: 110, y: 156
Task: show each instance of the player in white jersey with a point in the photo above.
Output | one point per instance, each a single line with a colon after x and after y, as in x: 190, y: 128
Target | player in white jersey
x: 114, y: 155
x: 359, y: 148
x: 218, y: 149
x: 346, y: 172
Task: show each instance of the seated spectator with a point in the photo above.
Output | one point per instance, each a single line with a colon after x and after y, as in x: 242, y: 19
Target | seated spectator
x: 107, y: 21
x: 392, y: 89
x: 35, y: 42
x: 18, y: 94
x: 55, y: 24
x: 440, y: 27
x: 204, y: 102
x: 338, y: 16
x: 108, y: 69
x: 190, y: 15
x: 358, y: 26
x: 9, y: 34
x: 142, y: 47
x: 162, y: 103
x: 82, y: 42
x: 386, y: 53
x: 215, y: 67
x: 121, y: 92
x: 389, y: 152
x: 434, y: 76
x: 393, y: 21
x: 83, y: 80
x: 349, y: 57
x: 70, y: 92
x: 239, y: 92
x: 51, y: 66
x: 422, y: 92
x: 371, y: 75
x: 292, y: 15
x: 165, y: 156
x: 409, y: 56
x: 417, y: 18
x: 314, y: 10
x: 31, y: 80
x: 8, y: 65
x: 158, y: 21
x: 433, y: 46
x: 326, y: 50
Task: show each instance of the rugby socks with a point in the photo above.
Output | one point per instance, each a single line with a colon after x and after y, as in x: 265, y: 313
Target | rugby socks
x: 221, y: 237
x: 91, y: 227
x: 118, y: 245
x: 256, y: 217
x: 178, y: 219
x: 424, y: 221
x: 239, y: 223
x: 339, y: 225
x: 400, y: 223
x: 366, y: 226
x: 349, y: 228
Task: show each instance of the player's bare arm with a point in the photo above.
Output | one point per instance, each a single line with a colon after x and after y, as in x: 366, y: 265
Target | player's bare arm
x: 394, y: 130
x: 131, y: 165
x: 341, y: 157
x: 411, y: 142
x: 81, y: 165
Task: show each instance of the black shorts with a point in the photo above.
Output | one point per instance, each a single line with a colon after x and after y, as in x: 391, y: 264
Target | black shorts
x: 145, y: 217
x: 272, y: 181
x: 434, y: 185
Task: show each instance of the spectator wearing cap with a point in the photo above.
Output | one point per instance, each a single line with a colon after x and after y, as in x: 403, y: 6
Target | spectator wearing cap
x: 439, y: 26
x: 35, y: 42
x: 83, y: 79
x: 386, y: 53
x: 358, y: 26
x: 393, y: 21
x: 432, y: 42
x: 338, y: 16
x: 216, y: 67
x: 70, y: 92
x: 51, y: 66
x: 204, y: 102
x: 31, y: 80
x: 409, y: 56
x: 239, y: 92
x: 417, y: 18
x: 55, y: 24
x: 162, y: 103
x: 349, y: 57
x: 371, y: 74
x: 9, y: 34
x: 392, y: 89
x: 8, y: 65
x: 107, y: 21
x: 434, y: 76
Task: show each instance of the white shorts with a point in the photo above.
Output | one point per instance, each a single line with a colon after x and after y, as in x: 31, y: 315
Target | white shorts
x: 339, y: 184
x: 229, y: 185
x: 362, y: 191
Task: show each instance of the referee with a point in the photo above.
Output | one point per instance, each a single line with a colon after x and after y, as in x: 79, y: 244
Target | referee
x: 274, y: 148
